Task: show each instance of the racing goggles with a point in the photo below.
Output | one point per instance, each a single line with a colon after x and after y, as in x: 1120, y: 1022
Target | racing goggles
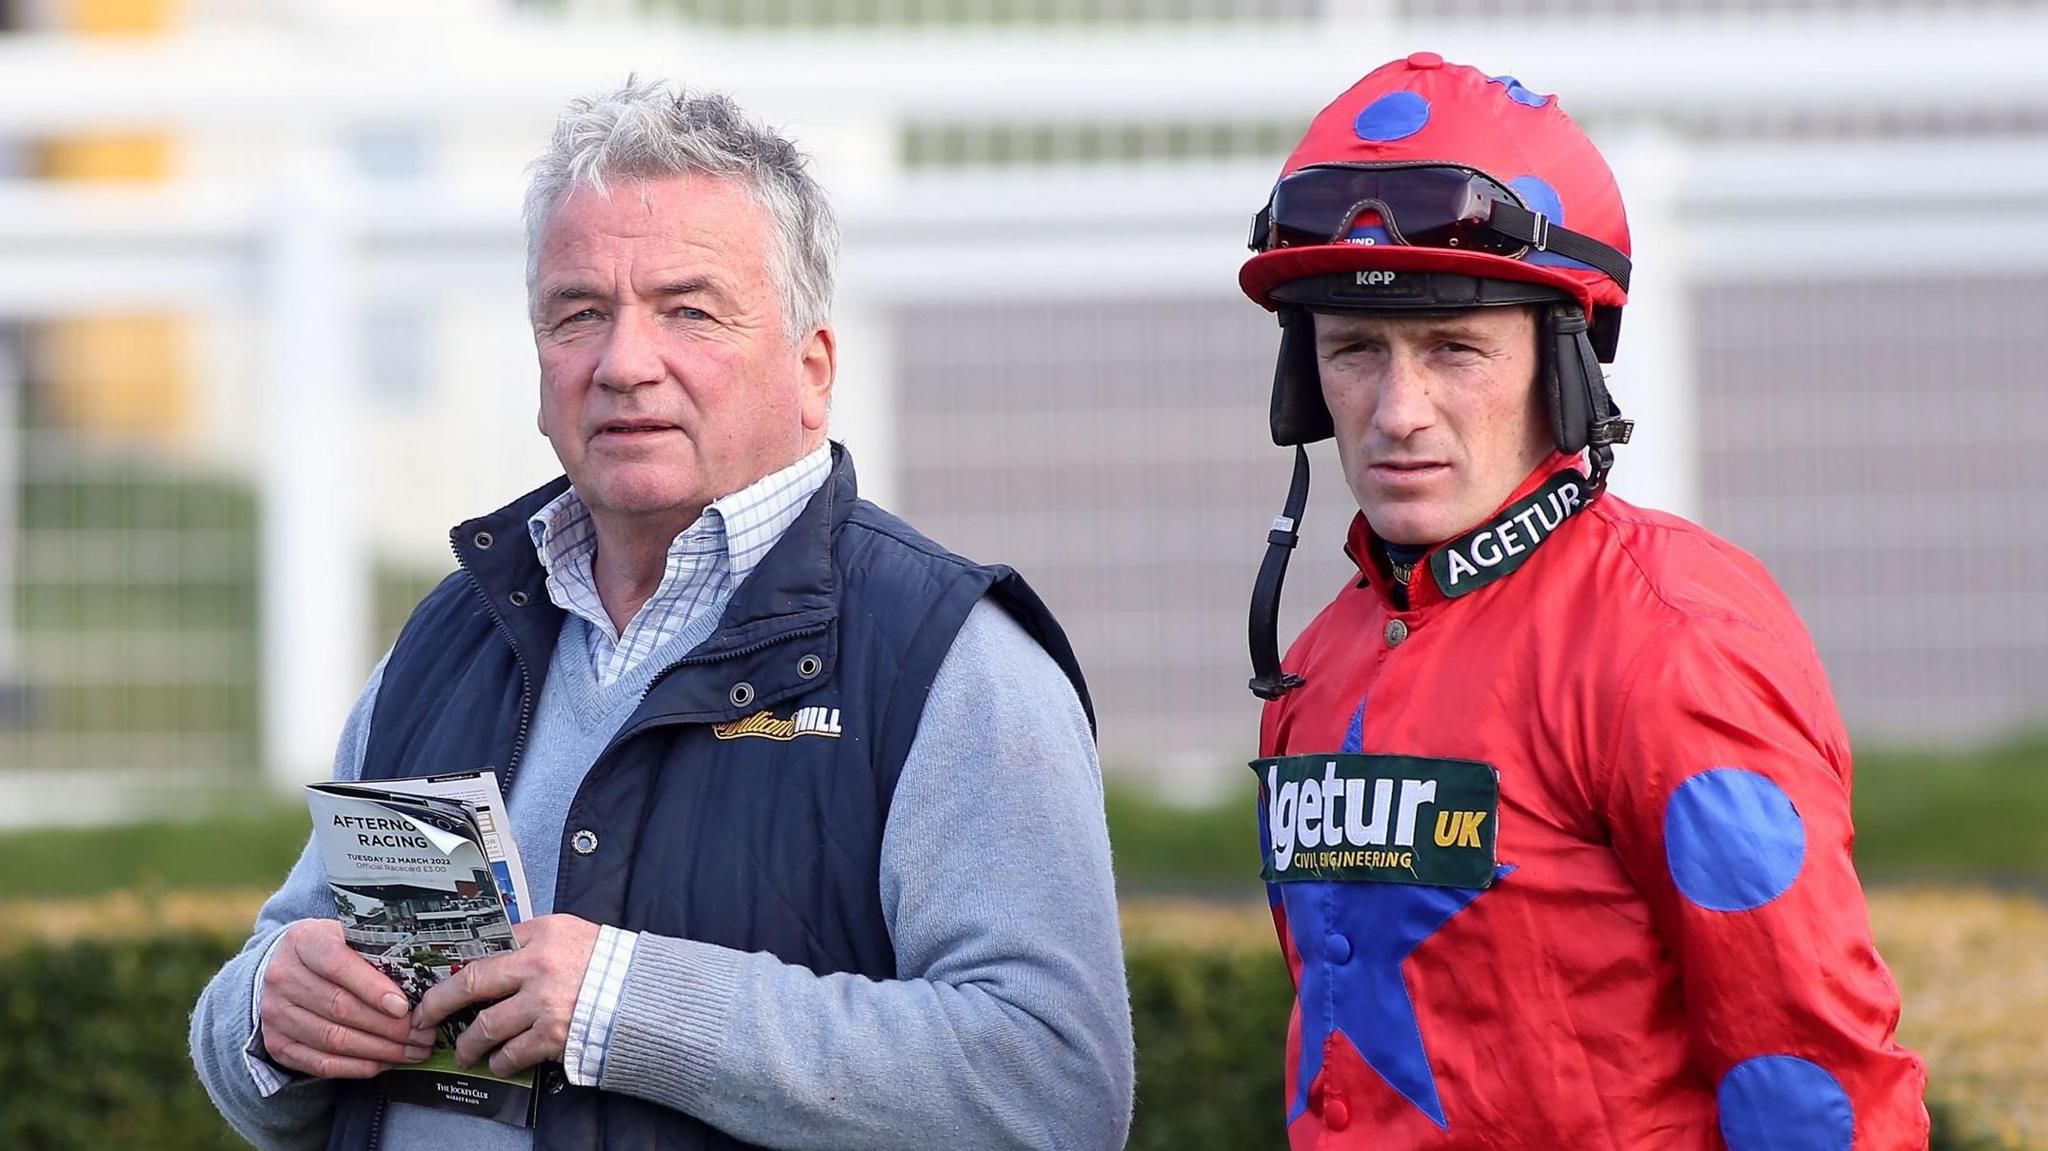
x: 1423, y: 206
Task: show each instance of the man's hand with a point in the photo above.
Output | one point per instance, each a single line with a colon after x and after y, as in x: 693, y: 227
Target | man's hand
x: 538, y: 985
x: 328, y: 1013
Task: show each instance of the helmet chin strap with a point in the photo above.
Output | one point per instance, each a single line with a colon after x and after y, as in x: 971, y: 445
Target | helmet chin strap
x: 1268, y: 681
x: 1582, y: 414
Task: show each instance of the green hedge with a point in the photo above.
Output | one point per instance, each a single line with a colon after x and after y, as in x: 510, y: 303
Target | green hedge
x: 1210, y: 1027
x: 92, y: 1047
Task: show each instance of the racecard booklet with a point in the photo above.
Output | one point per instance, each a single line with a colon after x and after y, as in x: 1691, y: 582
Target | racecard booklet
x: 426, y: 880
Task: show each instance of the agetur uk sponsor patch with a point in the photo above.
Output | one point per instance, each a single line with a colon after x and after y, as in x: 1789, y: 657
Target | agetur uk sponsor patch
x: 1379, y: 819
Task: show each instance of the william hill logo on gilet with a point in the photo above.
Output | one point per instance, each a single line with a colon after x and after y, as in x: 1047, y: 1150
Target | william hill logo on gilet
x: 819, y: 721
x: 1379, y: 819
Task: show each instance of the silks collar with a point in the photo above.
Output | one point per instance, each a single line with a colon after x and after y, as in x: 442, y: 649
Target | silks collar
x: 1556, y: 491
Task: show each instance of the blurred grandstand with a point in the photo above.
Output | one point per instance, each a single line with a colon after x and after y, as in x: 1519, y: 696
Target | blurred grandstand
x: 262, y: 331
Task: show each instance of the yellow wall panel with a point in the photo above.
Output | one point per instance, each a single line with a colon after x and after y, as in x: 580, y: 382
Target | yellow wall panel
x: 136, y: 158
x: 122, y: 375
x: 119, y: 17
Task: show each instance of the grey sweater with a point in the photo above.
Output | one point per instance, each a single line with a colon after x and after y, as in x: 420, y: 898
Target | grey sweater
x: 1008, y: 1024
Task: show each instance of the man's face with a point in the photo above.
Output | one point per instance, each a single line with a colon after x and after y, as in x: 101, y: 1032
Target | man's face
x: 667, y: 378
x: 1437, y: 417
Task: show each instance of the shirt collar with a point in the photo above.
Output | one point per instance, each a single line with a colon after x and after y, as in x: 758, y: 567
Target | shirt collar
x: 756, y: 516
x: 745, y: 524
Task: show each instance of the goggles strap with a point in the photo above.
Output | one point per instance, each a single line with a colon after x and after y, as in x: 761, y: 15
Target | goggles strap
x: 1262, y: 229
x: 1268, y: 681
x: 1536, y: 230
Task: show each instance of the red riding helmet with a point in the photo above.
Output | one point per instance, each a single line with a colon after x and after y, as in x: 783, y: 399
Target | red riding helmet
x: 1432, y: 187
x: 1422, y: 112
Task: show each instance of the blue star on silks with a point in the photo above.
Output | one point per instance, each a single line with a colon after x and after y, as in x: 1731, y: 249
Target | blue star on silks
x: 1353, y: 939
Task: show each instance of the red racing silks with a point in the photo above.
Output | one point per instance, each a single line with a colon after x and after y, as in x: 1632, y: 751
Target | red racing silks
x: 1661, y: 943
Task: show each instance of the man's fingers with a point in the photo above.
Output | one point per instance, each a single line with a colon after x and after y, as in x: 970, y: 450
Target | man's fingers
x: 300, y: 1040
x: 476, y: 1041
x: 481, y: 981
x: 319, y: 1065
x: 326, y: 955
x: 306, y: 989
x: 295, y: 1024
x: 525, y: 1050
x: 492, y: 1027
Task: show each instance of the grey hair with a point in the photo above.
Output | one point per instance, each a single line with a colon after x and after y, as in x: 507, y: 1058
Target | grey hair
x: 646, y: 130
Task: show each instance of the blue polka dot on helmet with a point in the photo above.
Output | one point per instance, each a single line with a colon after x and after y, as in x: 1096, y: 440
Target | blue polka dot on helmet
x: 1421, y: 110
x: 1394, y: 116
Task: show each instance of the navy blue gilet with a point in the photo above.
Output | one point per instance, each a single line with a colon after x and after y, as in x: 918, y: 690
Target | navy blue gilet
x: 751, y: 843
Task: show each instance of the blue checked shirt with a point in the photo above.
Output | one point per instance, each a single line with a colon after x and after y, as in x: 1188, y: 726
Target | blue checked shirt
x: 706, y: 563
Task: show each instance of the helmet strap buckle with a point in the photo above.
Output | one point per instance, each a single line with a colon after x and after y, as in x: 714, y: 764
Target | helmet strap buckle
x: 1612, y: 430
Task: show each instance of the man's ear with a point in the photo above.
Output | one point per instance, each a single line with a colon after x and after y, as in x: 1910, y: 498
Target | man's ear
x: 817, y: 368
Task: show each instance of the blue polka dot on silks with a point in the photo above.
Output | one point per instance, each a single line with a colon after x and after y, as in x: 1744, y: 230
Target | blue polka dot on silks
x: 1784, y: 1103
x: 1733, y: 840
x: 1394, y: 116
x: 1537, y: 193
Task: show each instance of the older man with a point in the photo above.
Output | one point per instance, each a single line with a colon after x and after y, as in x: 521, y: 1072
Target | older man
x: 1556, y: 802
x: 895, y: 929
